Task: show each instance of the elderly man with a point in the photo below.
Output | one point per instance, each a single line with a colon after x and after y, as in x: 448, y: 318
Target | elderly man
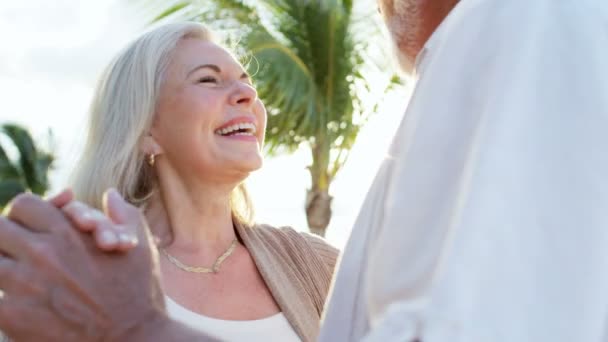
x: 486, y: 222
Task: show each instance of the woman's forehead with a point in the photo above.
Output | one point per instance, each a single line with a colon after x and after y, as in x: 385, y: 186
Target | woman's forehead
x: 190, y: 53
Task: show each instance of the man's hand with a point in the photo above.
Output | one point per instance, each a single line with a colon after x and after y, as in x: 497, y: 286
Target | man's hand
x: 58, y: 286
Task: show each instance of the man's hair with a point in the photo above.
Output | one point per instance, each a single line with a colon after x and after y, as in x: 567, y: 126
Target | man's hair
x: 122, y: 112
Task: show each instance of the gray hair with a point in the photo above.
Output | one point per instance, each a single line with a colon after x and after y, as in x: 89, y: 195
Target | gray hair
x: 121, y: 113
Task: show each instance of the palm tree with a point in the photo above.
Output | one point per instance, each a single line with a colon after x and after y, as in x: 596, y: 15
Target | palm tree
x: 310, y: 62
x: 29, y: 172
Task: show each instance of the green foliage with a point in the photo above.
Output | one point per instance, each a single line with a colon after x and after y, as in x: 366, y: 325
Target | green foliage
x: 29, y: 172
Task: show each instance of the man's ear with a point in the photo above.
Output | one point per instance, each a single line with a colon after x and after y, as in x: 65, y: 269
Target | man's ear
x: 149, y: 145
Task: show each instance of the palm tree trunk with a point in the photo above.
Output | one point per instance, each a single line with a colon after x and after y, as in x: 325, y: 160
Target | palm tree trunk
x: 318, y: 211
x: 318, y: 200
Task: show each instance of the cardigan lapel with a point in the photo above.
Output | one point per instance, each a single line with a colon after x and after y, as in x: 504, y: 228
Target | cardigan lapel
x: 277, y: 269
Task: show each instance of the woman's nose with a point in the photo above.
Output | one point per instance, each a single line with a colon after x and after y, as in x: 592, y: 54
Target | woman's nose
x: 243, y: 94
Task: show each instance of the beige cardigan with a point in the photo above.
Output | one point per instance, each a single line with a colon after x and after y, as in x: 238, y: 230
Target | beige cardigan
x: 297, y: 268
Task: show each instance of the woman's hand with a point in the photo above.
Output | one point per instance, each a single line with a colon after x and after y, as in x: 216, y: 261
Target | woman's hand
x: 109, y: 235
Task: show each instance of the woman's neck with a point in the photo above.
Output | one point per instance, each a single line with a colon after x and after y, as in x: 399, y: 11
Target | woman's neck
x: 192, y: 219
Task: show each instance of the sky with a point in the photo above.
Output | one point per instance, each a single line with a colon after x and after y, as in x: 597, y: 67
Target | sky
x: 51, y: 55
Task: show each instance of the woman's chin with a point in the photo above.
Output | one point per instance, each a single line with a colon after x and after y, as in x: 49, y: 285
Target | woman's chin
x: 251, y: 164
x: 256, y: 165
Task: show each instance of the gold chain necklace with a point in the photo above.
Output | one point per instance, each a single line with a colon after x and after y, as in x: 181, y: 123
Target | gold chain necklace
x: 194, y: 269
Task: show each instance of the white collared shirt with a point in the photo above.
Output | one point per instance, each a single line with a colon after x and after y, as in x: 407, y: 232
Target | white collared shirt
x: 488, y: 219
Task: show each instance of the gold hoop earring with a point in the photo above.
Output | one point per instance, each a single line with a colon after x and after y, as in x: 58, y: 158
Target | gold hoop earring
x: 151, y: 159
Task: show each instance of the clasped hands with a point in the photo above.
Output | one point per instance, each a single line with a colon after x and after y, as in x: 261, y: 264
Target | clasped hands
x: 63, y: 267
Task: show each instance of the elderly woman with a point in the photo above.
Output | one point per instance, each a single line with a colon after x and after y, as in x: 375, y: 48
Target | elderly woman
x: 176, y: 127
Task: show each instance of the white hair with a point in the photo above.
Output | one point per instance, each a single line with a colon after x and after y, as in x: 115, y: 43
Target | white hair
x: 122, y: 112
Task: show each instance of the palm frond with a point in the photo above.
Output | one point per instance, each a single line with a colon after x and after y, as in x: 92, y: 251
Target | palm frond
x: 9, y: 188
x: 7, y: 169
x: 27, y: 152
x: 33, y: 163
x: 172, y: 10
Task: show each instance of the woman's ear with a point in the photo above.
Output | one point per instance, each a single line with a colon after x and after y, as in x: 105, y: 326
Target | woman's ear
x: 149, y: 146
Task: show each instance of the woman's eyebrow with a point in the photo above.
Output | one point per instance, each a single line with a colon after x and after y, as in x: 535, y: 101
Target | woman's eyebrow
x: 206, y: 66
x: 216, y: 69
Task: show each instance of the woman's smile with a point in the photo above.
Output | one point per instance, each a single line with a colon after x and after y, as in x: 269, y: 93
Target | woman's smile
x: 241, y: 128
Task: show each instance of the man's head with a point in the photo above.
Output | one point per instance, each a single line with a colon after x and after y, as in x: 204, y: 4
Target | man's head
x: 411, y: 23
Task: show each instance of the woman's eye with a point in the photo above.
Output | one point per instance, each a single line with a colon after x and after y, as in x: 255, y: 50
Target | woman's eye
x: 207, y: 79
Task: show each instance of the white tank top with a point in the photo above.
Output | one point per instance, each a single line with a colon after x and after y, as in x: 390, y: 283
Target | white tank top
x: 273, y: 328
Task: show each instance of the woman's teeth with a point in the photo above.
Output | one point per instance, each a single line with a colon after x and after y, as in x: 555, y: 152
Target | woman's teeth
x: 244, y: 128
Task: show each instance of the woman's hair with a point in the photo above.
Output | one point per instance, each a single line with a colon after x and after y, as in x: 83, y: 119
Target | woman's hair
x: 122, y: 113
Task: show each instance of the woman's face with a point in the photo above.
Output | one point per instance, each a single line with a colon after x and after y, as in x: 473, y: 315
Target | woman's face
x: 209, y: 121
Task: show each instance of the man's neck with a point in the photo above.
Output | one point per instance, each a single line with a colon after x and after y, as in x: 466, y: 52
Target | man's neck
x: 412, y: 22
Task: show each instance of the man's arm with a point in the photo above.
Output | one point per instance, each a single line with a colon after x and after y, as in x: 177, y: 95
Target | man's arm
x: 58, y: 286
